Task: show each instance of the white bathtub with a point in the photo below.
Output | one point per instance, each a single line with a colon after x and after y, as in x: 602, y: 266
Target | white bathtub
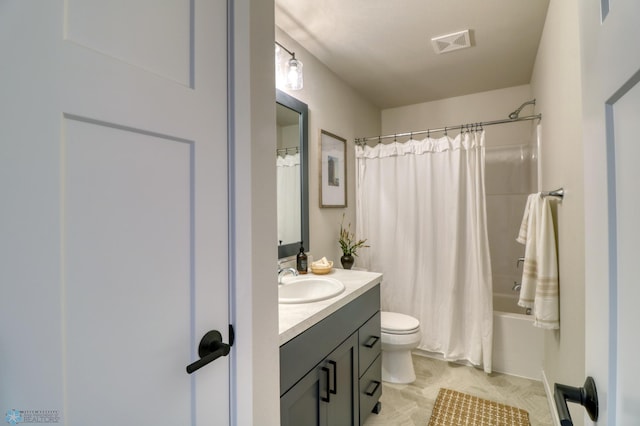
x: 517, y: 344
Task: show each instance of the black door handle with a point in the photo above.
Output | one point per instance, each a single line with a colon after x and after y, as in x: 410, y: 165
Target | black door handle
x: 211, y: 348
x: 587, y: 396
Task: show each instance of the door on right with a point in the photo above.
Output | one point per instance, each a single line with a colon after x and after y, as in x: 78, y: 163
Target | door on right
x: 609, y: 37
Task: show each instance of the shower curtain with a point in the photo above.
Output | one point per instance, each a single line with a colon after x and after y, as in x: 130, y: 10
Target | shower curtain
x: 288, y: 198
x: 421, y: 205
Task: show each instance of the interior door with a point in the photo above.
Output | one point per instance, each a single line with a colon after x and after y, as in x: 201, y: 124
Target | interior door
x: 611, y: 106
x: 113, y: 171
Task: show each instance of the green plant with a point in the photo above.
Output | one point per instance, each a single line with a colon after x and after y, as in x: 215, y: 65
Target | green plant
x: 347, y: 241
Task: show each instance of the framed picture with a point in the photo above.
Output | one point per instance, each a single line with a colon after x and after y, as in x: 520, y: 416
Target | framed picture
x: 333, y: 170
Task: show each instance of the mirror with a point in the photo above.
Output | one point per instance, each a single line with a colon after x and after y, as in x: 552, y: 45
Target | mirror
x: 292, y: 170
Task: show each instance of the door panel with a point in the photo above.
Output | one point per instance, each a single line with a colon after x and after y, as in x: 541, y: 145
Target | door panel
x: 113, y: 169
x: 610, y: 117
x: 114, y: 264
x: 302, y: 405
x: 160, y: 30
x: 344, y: 407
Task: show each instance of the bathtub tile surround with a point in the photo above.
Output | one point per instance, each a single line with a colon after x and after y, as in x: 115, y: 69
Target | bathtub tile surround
x: 411, y: 404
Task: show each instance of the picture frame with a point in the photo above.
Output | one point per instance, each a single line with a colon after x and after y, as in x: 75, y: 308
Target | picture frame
x: 333, y: 170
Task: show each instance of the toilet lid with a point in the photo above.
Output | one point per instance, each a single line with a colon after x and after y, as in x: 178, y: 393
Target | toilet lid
x: 396, y: 323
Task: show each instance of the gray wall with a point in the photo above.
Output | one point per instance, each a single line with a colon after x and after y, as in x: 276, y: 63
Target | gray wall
x: 337, y: 108
x: 556, y: 85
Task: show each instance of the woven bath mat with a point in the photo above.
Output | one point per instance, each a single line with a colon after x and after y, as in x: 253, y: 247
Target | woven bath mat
x: 454, y: 408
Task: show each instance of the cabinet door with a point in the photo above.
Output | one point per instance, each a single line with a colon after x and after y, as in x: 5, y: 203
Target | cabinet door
x: 343, y: 408
x: 303, y: 404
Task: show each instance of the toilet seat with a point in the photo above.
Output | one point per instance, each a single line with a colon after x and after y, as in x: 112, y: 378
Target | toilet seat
x: 396, y: 323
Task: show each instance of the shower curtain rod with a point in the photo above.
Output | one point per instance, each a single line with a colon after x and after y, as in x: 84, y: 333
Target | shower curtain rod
x: 462, y: 127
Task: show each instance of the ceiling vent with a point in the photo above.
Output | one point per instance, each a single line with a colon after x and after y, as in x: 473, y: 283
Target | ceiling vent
x: 451, y: 42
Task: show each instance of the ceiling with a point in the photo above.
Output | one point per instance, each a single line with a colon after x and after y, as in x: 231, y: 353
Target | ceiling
x: 382, y: 48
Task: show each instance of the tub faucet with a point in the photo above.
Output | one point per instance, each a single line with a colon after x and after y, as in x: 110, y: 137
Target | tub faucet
x: 283, y: 271
x: 516, y: 286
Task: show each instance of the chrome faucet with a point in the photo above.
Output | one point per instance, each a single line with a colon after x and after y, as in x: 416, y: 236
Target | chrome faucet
x: 282, y: 271
x: 516, y: 286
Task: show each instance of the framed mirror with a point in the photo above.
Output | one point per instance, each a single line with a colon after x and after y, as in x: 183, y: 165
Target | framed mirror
x: 292, y: 166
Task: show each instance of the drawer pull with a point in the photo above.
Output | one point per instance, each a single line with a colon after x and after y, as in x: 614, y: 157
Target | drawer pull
x: 375, y: 388
x: 328, y: 398
x: 372, y: 341
x: 335, y: 378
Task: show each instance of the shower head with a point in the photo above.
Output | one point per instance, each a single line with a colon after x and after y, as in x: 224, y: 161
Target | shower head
x: 514, y: 115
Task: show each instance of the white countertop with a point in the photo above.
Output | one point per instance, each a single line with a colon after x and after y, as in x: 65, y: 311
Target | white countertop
x: 296, y: 318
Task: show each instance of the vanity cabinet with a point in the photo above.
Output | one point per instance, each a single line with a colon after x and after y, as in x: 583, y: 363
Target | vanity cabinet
x: 326, y: 395
x: 331, y: 373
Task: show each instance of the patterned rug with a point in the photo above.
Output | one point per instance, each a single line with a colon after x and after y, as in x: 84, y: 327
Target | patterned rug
x: 454, y: 408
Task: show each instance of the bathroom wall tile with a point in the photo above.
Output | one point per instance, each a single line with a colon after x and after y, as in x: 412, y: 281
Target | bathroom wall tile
x: 503, y: 283
x: 508, y: 170
x: 504, y: 215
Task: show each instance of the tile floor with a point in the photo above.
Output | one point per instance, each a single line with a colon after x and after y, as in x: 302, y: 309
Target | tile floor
x: 407, y: 405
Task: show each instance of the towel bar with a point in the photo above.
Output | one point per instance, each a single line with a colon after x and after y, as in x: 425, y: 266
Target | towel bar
x: 555, y: 193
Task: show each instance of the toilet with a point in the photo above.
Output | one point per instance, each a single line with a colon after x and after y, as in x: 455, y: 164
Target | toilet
x: 400, y: 334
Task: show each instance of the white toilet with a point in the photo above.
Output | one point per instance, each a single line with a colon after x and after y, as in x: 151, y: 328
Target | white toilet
x: 400, y: 334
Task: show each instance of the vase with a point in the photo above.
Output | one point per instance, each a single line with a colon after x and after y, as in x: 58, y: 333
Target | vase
x: 347, y: 261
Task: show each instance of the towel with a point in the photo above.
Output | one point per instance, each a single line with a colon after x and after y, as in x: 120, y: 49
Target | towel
x: 539, y: 289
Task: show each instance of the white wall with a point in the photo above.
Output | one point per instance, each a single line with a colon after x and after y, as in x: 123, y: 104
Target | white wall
x: 508, y: 178
x: 337, y: 108
x: 255, y: 355
x: 557, y: 87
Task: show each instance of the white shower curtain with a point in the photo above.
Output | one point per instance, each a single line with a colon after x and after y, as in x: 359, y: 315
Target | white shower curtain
x: 421, y: 205
x: 288, y: 198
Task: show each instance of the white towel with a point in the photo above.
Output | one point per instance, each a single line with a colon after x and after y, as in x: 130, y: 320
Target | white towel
x: 539, y: 289
x: 524, y: 226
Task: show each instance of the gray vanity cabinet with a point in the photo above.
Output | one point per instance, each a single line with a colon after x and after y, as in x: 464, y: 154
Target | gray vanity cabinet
x: 328, y: 374
x: 328, y: 394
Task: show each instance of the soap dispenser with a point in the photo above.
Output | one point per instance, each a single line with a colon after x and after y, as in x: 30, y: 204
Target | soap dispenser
x: 301, y: 261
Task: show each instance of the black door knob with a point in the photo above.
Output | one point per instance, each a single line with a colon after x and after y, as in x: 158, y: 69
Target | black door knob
x: 210, y: 349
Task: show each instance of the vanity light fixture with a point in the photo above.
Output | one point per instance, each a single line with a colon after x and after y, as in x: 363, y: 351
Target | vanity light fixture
x: 290, y: 75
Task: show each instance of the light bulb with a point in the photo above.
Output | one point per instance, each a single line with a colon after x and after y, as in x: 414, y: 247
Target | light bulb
x: 295, y: 79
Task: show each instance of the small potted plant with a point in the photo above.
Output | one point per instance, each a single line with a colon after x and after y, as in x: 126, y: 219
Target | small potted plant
x: 349, y: 245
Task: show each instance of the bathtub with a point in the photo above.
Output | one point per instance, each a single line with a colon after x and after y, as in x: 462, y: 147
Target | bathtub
x: 517, y: 344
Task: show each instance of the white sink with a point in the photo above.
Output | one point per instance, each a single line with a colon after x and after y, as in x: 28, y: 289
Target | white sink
x: 308, y: 289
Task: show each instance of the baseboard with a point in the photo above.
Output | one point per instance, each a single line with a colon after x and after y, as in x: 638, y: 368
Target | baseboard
x: 552, y: 404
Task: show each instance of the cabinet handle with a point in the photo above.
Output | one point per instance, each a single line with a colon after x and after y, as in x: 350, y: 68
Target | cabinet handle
x: 335, y: 378
x: 328, y: 398
x: 375, y: 388
x: 372, y: 341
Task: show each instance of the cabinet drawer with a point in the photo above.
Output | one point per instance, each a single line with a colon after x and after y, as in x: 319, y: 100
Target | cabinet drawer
x: 370, y: 388
x: 369, y: 343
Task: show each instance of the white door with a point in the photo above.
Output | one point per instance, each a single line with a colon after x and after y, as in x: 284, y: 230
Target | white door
x: 610, y: 40
x: 113, y: 223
